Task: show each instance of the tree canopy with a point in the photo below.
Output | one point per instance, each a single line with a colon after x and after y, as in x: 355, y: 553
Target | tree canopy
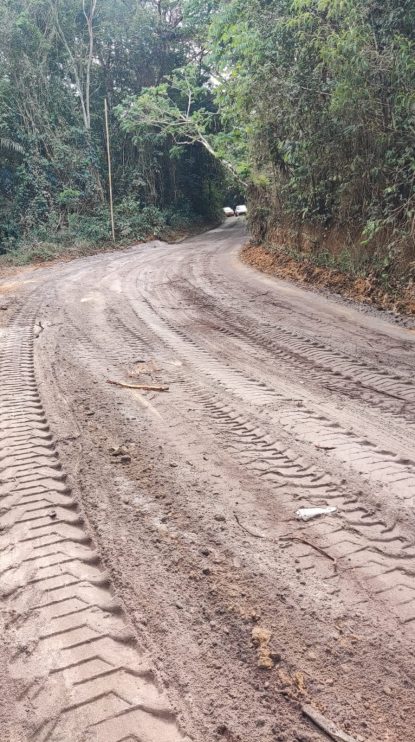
x: 307, y: 106
x: 60, y: 60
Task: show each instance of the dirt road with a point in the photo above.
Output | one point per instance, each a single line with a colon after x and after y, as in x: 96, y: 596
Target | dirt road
x: 157, y: 584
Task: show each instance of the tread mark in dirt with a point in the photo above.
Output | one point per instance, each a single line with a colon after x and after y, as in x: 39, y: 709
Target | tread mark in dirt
x: 372, y: 463
x: 82, y: 674
x: 385, y: 560
x: 393, y: 393
x: 379, y: 552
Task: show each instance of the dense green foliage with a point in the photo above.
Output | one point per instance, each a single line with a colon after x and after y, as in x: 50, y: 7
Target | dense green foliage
x: 324, y: 91
x: 59, y: 60
x: 306, y: 105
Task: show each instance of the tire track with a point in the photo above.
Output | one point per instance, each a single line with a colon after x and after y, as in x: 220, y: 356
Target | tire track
x: 377, y: 551
x: 82, y: 674
x: 373, y: 463
x: 394, y: 394
x: 242, y: 433
x: 375, y: 547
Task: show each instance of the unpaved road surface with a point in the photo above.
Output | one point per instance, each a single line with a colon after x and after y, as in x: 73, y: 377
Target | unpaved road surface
x: 156, y: 583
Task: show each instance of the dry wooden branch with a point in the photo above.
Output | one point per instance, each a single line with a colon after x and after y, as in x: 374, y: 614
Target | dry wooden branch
x: 309, y: 543
x: 326, y: 725
x: 144, y: 387
x: 251, y: 533
x: 287, y: 538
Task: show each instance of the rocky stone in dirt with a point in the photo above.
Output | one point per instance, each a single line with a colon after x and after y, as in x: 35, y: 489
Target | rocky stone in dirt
x: 261, y: 638
x: 118, y: 451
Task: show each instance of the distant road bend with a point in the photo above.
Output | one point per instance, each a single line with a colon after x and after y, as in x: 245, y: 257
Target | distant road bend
x: 157, y: 583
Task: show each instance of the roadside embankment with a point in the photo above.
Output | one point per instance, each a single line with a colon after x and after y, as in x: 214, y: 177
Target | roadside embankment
x: 368, y: 289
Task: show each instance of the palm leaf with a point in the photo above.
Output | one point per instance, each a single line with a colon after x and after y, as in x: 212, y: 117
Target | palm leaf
x: 10, y: 145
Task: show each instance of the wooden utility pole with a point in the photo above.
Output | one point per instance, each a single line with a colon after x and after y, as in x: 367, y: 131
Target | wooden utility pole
x: 109, y: 169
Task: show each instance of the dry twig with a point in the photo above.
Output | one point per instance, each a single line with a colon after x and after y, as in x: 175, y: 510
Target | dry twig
x: 287, y: 538
x: 313, y: 546
x: 145, y: 387
x: 326, y: 725
x: 251, y: 533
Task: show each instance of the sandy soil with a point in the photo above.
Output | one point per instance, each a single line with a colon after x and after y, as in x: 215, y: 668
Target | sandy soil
x: 156, y: 582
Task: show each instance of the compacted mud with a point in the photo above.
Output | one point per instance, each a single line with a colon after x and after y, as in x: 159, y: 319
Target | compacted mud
x: 165, y: 412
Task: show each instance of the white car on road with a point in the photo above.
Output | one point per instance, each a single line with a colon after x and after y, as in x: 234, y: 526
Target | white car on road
x: 240, y: 210
x: 228, y: 211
